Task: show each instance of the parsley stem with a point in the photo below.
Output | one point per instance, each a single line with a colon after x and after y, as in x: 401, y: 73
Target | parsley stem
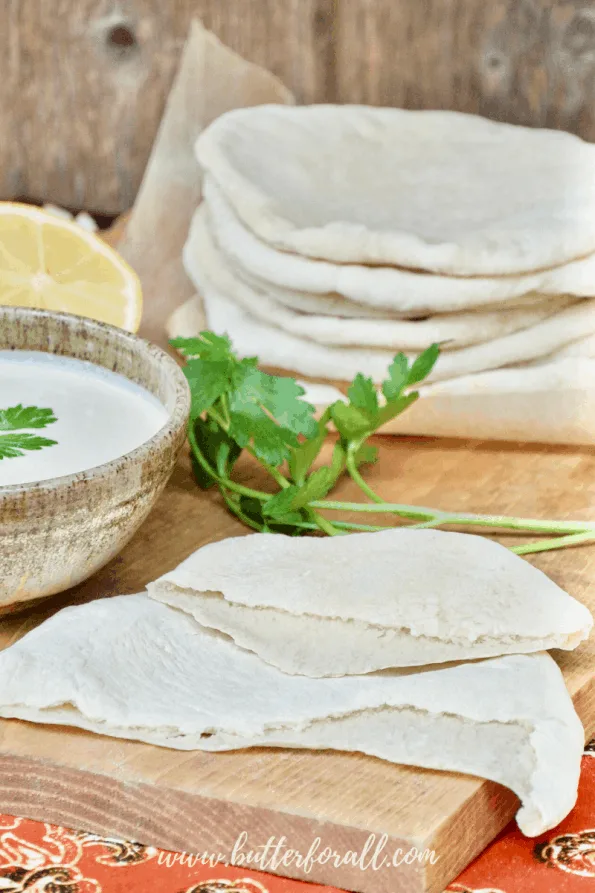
x: 224, y: 424
x: 235, y: 509
x: 274, y: 472
x: 223, y: 482
x: 405, y: 511
x: 212, y: 412
x: 532, y: 525
x: 225, y: 409
x: 356, y: 476
x: 347, y: 525
x: 331, y: 528
x: 560, y: 542
x: 420, y: 513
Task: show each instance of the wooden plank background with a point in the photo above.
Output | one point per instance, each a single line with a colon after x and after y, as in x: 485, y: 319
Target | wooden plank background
x: 83, y: 82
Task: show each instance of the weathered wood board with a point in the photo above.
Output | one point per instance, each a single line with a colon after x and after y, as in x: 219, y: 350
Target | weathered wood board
x: 200, y: 802
x: 92, y: 76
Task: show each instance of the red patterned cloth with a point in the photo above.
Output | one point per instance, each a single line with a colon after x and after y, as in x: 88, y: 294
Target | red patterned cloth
x: 38, y: 858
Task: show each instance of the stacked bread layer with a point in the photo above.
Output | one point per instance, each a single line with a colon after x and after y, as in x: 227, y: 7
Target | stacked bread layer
x: 331, y: 238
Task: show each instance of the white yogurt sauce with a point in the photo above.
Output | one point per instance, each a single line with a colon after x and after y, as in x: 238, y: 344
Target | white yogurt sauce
x: 100, y: 415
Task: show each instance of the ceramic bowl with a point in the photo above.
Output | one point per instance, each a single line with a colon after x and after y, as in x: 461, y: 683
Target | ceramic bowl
x: 58, y: 532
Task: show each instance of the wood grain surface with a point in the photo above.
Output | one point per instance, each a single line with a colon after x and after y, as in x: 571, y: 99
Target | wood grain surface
x: 199, y: 802
x: 202, y: 802
x: 83, y: 83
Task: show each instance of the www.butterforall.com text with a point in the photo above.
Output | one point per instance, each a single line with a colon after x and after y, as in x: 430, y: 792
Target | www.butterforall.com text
x: 273, y: 855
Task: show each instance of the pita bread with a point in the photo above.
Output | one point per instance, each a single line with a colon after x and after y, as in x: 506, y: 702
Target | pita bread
x: 337, y: 305
x: 309, y: 606
x: 452, y: 330
x: 324, y: 305
x: 430, y: 190
x: 582, y: 347
x: 130, y: 667
x: 274, y: 347
x: 389, y: 287
x: 548, y: 402
x: 553, y: 402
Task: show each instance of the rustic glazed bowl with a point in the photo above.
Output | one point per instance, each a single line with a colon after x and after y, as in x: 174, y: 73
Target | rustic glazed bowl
x: 58, y: 532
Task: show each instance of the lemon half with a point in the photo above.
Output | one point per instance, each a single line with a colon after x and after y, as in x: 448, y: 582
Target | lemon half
x: 54, y: 264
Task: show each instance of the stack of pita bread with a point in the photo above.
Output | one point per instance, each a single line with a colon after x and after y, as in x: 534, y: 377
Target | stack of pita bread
x: 331, y: 237
x: 421, y: 647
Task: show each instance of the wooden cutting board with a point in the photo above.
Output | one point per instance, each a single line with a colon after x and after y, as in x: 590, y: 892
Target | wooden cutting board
x: 201, y: 802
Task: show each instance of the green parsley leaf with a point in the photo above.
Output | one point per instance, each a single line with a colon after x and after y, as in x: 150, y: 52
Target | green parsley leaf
x: 207, y: 345
x: 14, y: 445
x: 281, y: 503
x: 235, y: 405
x: 365, y: 455
x: 362, y: 394
x: 295, y: 497
x: 398, y: 373
x: 338, y: 458
x: 253, y: 509
x: 423, y: 365
x: 217, y: 447
x: 267, y: 412
x: 208, y: 380
x: 204, y: 480
x: 304, y: 454
x: 287, y: 523
x: 316, y: 487
x: 15, y: 418
x: 350, y: 422
x: 396, y: 407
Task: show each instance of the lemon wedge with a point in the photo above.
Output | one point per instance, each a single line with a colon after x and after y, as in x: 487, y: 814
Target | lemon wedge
x: 54, y: 264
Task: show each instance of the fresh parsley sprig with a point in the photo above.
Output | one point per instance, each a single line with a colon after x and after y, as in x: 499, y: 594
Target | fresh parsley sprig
x: 17, y: 441
x: 237, y: 407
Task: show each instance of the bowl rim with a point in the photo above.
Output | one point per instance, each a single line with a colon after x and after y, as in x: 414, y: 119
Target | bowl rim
x: 169, y: 431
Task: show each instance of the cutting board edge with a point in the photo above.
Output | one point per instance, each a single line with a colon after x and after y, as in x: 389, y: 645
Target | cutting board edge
x: 189, y: 823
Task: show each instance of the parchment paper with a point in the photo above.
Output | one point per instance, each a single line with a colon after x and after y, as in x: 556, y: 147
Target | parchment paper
x: 211, y: 80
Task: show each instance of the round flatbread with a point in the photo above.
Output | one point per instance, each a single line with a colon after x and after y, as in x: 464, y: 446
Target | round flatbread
x: 432, y: 190
x: 552, y: 402
x: 452, y: 330
x: 252, y: 336
x: 389, y: 288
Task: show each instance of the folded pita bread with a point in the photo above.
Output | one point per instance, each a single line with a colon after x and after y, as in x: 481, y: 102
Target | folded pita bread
x: 388, y: 287
x: 452, y: 330
x: 431, y: 190
x: 545, y: 402
x: 553, y: 402
x: 339, y: 306
x: 278, y: 348
x: 340, y: 606
x: 130, y: 667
